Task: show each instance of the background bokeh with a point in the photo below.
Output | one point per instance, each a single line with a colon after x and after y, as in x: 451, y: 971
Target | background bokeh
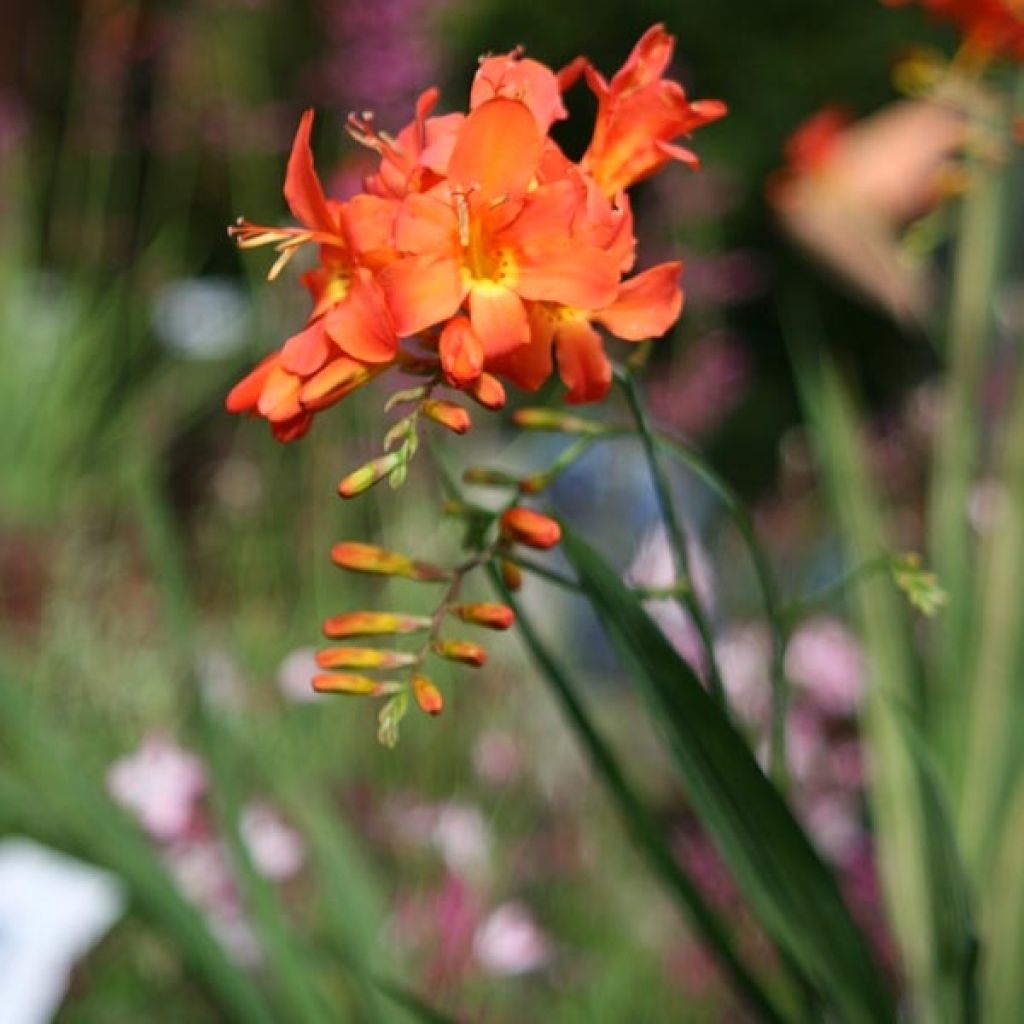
x: 157, y: 555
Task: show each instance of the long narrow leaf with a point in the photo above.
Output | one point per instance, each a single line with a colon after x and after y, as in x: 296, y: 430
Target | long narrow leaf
x: 899, y: 808
x: 790, y: 890
x: 638, y: 820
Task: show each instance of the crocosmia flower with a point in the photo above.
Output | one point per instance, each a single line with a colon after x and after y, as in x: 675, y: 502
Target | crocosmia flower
x: 990, y: 27
x: 478, y: 250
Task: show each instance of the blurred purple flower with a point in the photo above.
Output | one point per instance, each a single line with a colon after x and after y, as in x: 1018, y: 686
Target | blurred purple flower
x: 295, y: 676
x: 380, y: 55
x: 703, y: 386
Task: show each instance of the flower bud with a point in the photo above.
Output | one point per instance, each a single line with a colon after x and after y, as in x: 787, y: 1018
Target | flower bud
x: 363, y: 478
x: 487, y: 390
x: 556, y: 422
x: 448, y: 414
x: 352, y: 624
x: 353, y: 685
x: 511, y: 575
x: 524, y: 526
x: 337, y: 379
x: 427, y: 695
x: 461, y: 651
x: 362, y: 657
x: 490, y: 616
x: 370, y: 558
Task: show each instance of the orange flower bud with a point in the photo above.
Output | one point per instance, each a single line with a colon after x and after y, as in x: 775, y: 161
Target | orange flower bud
x: 351, y: 624
x: 448, y: 414
x: 353, y: 685
x: 490, y: 616
x: 427, y: 695
x: 462, y: 651
x: 370, y: 558
x: 511, y: 575
x: 362, y: 657
x: 524, y: 526
x: 363, y: 478
x: 556, y: 422
x: 487, y: 391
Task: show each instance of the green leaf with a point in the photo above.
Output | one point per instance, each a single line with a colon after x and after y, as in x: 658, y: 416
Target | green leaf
x: 638, y: 819
x: 790, y: 890
x: 898, y: 802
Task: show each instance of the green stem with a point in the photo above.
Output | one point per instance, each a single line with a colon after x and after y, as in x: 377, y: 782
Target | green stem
x: 976, y: 275
x: 770, y: 592
x: 677, y: 539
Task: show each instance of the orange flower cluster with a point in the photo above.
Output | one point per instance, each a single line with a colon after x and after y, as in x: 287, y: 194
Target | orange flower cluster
x: 990, y: 27
x: 480, y: 239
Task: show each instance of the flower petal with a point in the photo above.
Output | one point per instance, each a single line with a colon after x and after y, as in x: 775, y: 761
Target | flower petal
x: 427, y: 225
x: 462, y: 354
x: 647, y: 305
x: 497, y: 151
x: 530, y: 366
x: 582, y: 363
x: 361, y: 325
x: 422, y: 291
x: 302, y: 189
x: 246, y: 393
x: 498, y: 318
x: 304, y: 353
x: 581, y: 276
x: 279, y: 399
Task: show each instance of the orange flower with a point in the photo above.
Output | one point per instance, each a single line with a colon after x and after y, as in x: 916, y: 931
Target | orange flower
x: 483, y: 237
x: 349, y: 333
x: 645, y: 307
x: 990, y: 27
x: 639, y: 114
x: 418, y: 158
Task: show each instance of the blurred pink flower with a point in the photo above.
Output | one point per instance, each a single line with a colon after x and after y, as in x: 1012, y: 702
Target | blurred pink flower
x: 161, y: 784
x: 509, y: 942
x: 825, y: 660
x: 497, y: 758
x: 277, y: 850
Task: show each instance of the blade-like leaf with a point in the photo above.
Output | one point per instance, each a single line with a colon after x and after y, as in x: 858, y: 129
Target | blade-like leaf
x: 899, y: 805
x: 790, y: 890
x: 636, y: 816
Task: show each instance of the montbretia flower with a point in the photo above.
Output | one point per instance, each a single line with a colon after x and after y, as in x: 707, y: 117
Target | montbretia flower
x: 990, y: 27
x: 486, y: 238
x: 349, y: 333
x: 640, y: 114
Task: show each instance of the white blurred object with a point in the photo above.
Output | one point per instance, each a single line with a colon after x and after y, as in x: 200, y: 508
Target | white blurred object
x: 201, y: 318
x: 53, y: 909
x: 295, y: 676
x: 509, y: 942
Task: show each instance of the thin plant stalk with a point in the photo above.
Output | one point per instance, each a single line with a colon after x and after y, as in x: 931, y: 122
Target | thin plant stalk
x: 676, y: 536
